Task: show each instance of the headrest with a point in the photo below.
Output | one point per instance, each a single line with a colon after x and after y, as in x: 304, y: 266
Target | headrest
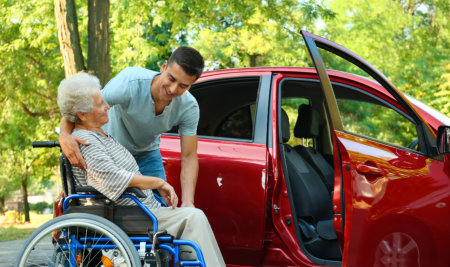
x: 307, y: 125
x: 285, y: 131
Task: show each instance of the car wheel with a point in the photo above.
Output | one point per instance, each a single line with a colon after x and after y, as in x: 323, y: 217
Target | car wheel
x: 397, y: 250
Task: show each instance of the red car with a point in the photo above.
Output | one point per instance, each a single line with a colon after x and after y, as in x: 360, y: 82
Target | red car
x: 312, y: 166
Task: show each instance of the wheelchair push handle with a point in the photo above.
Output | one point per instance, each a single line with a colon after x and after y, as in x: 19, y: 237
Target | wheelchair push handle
x: 45, y: 144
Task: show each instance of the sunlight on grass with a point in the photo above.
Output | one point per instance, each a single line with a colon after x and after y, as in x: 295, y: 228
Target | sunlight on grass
x: 21, y: 230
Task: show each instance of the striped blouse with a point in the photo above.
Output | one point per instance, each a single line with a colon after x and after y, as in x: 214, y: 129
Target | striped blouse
x: 110, y: 169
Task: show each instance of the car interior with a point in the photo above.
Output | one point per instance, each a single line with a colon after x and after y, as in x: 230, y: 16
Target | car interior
x: 308, y: 168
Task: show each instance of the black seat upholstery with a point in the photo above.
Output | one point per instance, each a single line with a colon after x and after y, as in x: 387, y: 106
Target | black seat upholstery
x: 307, y: 126
x: 312, y: 201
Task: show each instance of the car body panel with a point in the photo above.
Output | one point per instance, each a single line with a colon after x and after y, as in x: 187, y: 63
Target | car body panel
x: 409, y: 189
x: 230, y: 189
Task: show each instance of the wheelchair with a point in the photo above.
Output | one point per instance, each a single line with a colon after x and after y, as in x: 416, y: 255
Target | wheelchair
x: 102, y: 235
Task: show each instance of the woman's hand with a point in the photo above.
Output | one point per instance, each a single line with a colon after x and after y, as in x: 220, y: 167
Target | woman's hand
x: 169, y: 195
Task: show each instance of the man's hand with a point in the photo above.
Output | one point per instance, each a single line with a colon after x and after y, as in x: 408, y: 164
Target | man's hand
x: 169, y: 195
x: 70, y: 146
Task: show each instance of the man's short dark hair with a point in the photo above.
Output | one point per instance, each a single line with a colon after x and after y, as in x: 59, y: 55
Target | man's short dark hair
x: 189, y: 59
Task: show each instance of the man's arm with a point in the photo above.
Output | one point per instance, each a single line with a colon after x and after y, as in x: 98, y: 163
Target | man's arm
x: 70, y: 143
x: 189, y: 169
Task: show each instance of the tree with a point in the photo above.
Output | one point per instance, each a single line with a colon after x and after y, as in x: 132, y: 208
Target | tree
x: 69, y: 38
x: 98, y: 61
x: 253, y: 33
x: 29, y: 72
x: 409, y: 41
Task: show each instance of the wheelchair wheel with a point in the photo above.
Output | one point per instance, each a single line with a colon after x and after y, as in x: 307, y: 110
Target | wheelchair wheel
x: 78, y: 239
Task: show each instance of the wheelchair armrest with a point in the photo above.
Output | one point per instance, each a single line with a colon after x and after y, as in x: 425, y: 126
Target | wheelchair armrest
x: 87, y: 189
x: 136, y: 191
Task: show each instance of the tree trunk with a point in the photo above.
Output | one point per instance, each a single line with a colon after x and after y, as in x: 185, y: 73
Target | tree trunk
x: 26, y: 206
x: 253, y: 59
x: 2, y: 204
x: 69, y: 38
x: 99, y: 59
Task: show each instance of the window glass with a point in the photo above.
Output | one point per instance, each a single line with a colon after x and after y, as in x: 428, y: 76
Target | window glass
x: 239, y: 124
x: 227, y: 107
x: 364, y: 113
x: 377, y: 121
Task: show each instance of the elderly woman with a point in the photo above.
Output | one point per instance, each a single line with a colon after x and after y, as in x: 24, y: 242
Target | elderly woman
x: 111, y: 168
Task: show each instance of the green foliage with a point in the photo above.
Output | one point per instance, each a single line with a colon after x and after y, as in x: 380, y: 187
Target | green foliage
x: 409, y: 41
x: 30, y: 68
x: 13, y: 217
x: 40, y: 206
x: 254, y: 33
x: 376, y: 121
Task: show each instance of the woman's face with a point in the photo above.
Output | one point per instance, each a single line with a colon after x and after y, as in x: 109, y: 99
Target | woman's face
x: 98, y: 116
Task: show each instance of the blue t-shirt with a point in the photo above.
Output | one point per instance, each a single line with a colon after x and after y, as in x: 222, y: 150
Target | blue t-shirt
x: 132, y: 119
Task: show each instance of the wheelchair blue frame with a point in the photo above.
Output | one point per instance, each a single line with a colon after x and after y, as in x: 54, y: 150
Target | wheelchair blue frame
x: 175, y: 250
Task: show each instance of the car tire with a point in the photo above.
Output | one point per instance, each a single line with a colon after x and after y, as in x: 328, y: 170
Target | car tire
x: 402, y: 246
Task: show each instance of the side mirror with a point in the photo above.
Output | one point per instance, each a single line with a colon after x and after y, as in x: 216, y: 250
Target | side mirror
x: 443, y: 139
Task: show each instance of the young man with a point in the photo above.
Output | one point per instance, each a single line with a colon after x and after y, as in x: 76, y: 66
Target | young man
x: 145, y: 104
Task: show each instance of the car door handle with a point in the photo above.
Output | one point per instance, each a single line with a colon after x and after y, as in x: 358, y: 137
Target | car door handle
x: 371, y: 171
x: 165, y: 162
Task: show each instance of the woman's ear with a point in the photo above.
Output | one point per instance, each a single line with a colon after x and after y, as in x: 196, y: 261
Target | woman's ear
x: 81, y: 116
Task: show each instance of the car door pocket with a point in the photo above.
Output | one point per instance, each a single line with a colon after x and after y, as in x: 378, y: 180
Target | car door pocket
x: 369, y: 170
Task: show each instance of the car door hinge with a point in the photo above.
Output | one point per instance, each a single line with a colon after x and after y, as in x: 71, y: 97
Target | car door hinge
x: 337, y: 221
x: 288, y: 220
x: 276, y: 208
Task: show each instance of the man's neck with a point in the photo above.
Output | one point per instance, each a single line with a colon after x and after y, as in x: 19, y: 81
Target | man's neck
x: 155, y: 91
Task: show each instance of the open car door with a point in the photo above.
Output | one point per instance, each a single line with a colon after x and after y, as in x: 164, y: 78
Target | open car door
x: 391, y: 196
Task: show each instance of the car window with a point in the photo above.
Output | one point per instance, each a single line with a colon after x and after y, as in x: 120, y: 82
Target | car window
x: 377, y: 121
x: 239, y: 124
x: 368, y: 112
x: 227, y: 107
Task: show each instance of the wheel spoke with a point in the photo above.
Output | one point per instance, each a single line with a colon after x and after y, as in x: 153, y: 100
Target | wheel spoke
x: 42, y: 248
x: 385, y: 247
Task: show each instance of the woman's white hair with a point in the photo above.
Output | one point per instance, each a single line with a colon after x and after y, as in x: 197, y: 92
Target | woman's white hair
x: 75, y: 95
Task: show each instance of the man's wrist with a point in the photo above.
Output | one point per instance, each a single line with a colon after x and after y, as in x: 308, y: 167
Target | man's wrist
x: 188, y: 201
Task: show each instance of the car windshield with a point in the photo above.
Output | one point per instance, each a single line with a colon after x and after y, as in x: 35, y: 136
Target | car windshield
x: 441, y: 117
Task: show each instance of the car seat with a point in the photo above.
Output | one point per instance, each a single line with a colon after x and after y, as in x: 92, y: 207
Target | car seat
x: 307, y: 126
x: 312, y: 202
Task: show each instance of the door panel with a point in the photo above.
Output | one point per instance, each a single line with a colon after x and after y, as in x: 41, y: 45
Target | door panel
x: 232, y: 154
x: 230, y: 190
x: 392, y: 191
x: 394, y: 199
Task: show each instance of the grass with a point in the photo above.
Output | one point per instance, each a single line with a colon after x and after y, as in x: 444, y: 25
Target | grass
x: 9, y: 231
